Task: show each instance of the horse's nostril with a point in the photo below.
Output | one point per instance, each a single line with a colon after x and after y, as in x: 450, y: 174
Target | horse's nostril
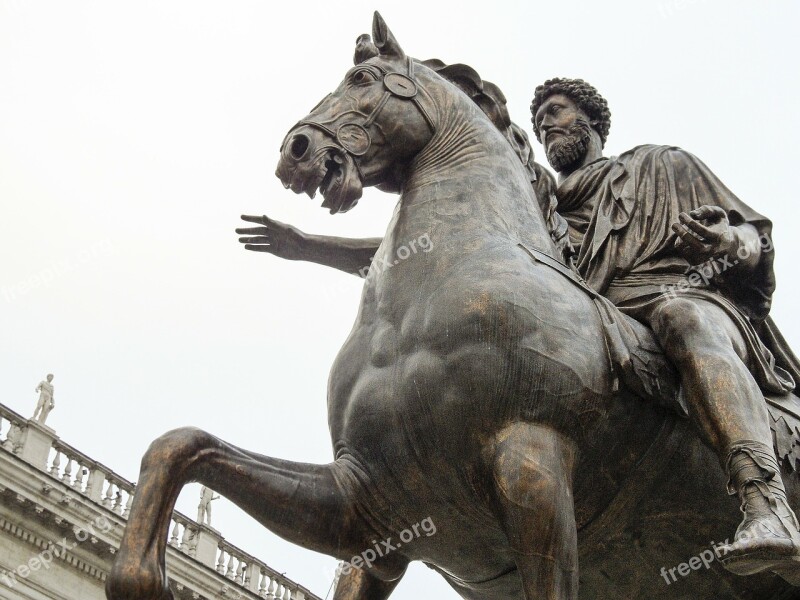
x: 299, y: 146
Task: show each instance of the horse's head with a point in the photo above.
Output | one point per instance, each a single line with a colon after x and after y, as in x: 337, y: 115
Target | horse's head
x: 365, y: 132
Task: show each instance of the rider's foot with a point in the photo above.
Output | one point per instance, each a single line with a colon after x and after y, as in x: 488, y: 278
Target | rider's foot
x: 768, y: 539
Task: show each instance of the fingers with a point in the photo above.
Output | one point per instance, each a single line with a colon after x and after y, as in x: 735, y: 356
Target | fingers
x: 701, y: 230
x: 689, y: 238
x: 259, y: 239
x: 253, y: 230
x: 260, y: 219
x: 715, y: 213
x: 260, y: 248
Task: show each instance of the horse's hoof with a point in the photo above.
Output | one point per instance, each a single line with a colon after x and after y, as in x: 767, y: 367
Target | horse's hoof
x: 137, y: 583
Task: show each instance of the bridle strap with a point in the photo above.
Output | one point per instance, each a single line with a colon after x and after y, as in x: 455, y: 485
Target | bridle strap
x: 415, y: 99
x: 354, y: 138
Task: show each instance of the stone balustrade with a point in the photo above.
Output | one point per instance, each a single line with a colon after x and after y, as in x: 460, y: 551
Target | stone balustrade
x: 40, y: 446
x: 255, y: 576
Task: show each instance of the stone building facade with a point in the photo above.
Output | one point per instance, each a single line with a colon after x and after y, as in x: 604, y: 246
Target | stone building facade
x: 62, y: 515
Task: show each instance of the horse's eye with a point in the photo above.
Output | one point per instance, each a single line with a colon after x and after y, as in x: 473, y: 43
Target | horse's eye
x: 362, y: 77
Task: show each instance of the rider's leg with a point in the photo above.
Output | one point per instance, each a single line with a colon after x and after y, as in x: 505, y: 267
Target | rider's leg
x: 309, y: 505
x: 728, y: 407
x: 533, y: 470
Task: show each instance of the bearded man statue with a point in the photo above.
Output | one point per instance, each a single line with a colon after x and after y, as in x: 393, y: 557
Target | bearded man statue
x: 658, y: 234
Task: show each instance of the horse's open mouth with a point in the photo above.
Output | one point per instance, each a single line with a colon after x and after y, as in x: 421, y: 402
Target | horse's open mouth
x: 341, y: 185
x: 331, y: 171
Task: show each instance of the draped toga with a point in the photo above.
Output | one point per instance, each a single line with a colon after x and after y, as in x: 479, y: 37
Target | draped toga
x: 620, y: 213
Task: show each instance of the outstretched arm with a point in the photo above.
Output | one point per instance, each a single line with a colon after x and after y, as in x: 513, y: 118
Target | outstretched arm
x: 349, y: 255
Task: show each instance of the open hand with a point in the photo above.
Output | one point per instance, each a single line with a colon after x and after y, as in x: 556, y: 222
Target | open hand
x: 705, y: 233
x: 274, y: 237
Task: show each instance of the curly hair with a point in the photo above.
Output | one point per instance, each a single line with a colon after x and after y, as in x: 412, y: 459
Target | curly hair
x: 584, y: 95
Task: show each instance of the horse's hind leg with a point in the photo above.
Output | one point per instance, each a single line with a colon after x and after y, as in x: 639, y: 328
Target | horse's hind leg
x: 305, y: 504
x: 532, y: 468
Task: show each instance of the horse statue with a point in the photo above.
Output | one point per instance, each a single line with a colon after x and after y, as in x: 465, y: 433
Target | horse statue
x: 476, y: 392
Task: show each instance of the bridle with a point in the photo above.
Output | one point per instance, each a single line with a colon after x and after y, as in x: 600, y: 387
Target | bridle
x: 354, y: 138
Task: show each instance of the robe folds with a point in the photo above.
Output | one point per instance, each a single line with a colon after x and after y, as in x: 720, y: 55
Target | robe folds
x: 620, y: 213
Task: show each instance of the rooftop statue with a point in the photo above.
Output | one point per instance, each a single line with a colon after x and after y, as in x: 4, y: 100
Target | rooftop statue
x: 45, y: 403
x: 207, y: 496
x: 533, y: 377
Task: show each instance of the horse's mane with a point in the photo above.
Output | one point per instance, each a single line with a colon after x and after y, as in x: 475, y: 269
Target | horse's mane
x: 488, y: 96
x: 491, y: 100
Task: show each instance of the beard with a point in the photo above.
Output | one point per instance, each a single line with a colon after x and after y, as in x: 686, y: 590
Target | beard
x: 567, y: 151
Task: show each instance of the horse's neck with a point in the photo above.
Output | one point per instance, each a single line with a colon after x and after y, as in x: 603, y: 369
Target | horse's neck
x: 468, y: 186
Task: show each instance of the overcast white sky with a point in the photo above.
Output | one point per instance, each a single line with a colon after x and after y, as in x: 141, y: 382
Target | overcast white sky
x: 133, y: 135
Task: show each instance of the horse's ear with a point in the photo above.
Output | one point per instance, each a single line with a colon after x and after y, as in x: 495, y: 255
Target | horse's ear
x: 365, y: 49
x: 384, y: 38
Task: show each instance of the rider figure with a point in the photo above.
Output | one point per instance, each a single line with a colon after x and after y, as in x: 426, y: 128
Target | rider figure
x: 660, y: 236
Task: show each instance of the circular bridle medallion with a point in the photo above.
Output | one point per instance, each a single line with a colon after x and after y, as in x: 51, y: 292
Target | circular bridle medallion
x: 400, y: 85
x: 353, y: 138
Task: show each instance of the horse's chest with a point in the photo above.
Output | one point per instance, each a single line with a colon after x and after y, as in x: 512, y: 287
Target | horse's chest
x: 414, y: 354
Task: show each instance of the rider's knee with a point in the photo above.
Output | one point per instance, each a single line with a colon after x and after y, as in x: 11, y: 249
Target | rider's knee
x: 682, y: 324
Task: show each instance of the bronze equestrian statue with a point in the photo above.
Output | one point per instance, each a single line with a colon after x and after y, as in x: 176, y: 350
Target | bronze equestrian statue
x: 488, y: 389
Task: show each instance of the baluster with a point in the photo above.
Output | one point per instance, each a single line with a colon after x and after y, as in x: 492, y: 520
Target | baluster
x: 79, y: 475
x: 56, y: 465
x: 108, y: 501
x: 273, y: 585
x: 67, y: 475
x: 1, y: 427
x: 185, y: 538
x: 230, y: 571
x: 127, y: 510
x: 173, y: 540
x: 193, y: 540
x: 221, y: 562
x: 262, y: 584
x: 240, y: 575
x: 14, y: 437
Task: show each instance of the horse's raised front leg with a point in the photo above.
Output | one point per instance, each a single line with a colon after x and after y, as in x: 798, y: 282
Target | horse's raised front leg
x: 532, y: 468
x: 357, y: 584
x: 306, y: 504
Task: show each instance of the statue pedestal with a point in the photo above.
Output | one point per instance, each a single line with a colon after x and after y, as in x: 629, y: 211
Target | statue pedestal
x: 37, y: 440
x: 208, y: 540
